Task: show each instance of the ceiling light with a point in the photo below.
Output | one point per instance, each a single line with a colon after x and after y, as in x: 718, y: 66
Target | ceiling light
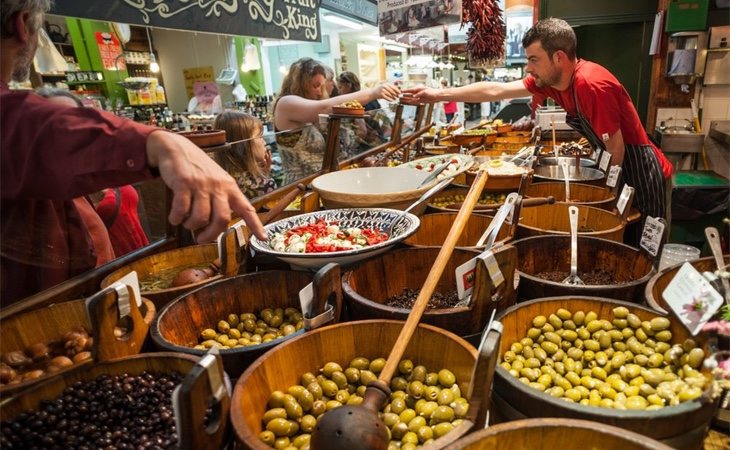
x: 342, y: 21
x: 154, y: 67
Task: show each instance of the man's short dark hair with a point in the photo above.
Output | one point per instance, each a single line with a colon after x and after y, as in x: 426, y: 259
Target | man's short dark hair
x: 553, y: 34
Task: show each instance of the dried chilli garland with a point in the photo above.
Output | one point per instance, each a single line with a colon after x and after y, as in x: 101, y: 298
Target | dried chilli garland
x: 485, y: 39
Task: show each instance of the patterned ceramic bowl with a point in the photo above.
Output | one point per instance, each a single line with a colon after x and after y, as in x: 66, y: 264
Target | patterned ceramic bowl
x: 375, y: 218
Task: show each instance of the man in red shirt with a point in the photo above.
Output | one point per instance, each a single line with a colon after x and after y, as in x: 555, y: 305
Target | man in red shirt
x: 598, y: 107
x: 53, y: 153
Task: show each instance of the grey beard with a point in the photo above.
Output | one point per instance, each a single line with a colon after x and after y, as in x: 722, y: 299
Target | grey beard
x: 21, y: 74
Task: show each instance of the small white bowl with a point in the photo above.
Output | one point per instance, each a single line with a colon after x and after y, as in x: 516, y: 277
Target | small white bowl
x: 368, y: 187
x: 378, y: 218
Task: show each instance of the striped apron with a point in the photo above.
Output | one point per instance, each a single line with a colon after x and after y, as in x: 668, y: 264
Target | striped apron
x: 640, y: 169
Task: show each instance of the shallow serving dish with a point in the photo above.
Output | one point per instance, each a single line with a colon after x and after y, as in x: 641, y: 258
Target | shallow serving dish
x: 461, y: 164
x: 379, y: 218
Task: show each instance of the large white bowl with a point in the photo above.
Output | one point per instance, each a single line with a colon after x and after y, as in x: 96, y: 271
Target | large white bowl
x: 379, y: 218
x: 370, y: 187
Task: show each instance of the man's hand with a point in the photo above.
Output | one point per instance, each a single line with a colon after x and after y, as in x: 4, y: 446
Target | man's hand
x: 204, y: 195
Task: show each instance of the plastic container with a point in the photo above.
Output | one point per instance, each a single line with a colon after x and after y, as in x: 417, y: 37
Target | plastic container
x: 677, y: 253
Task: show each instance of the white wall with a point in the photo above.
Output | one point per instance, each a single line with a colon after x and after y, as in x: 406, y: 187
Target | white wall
x: 179, y: 50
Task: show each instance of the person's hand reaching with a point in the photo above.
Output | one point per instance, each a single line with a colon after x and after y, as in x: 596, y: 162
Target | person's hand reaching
x: 387, y: 91
x: 204, y: 195
x: 420, y: 94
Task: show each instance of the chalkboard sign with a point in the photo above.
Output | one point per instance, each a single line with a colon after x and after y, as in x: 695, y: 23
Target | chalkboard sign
x: 280, y: 19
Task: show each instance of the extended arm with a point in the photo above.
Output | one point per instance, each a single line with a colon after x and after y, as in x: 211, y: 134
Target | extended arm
x: 484, y: 91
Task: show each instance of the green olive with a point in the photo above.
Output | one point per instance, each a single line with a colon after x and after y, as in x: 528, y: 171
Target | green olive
x: 376, y: 365
x: 659, y: 323
x: 274, y: 413
x: 308, y: 423
x: 415, y: 389
x: 340, y: 379
x: 301, y: 440
x: 329, y: 388
x: 281, y: 427
x: 539, y: 321
x: 318, y: 408
x: 419, y: 374
x: 398, y: 384
x: 424, y: 434
x: 432, y: 379
x: 405, y: 367
x: 360, y: 363
x: 579, y: 318
x: 268, y: 437
x: 696, y: 357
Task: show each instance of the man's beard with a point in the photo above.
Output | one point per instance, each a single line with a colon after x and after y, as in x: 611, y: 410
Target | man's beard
x: 21, y: 71
x: 552, y: 79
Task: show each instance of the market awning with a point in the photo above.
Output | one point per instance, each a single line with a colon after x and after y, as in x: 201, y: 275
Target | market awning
x: 288, y: 19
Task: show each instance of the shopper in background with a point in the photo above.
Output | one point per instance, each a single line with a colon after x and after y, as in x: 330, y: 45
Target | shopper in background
x: 248, y: 162
x: 330, y: 86
x: 53, y: 153
x: 348, y: 82
x: 450, y: 107
x: 299, y: 105
x: 598, y: 107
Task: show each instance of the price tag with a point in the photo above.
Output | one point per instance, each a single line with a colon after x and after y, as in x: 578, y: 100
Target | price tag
x: 490, y: 262
x: 510, y: 204
x: 613, y: 175
x: 306, y: 298
x: 651, y: 235
x: 132, y: 281
x: 238, y: 226
x: 692, y: 298
x: 465, y: 278
x: 624, y: 198
x: 605, y: 159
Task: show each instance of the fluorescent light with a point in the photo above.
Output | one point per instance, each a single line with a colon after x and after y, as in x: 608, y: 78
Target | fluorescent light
x: 394, y: 48
x: 342, y: 21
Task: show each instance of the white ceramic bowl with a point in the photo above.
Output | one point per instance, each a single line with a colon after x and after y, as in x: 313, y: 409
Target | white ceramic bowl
x: 379, y: 218
x: 370, y: 187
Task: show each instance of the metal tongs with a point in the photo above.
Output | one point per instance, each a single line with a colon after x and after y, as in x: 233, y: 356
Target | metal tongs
x: 428, y: 194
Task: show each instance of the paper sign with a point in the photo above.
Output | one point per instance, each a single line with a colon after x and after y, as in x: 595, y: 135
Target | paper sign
x: 306, y: 297
x: 651, y: 235
x: 132, y: 281
x: 465, y: 278
x: 109, y: 49
x: 613, y: 175
x: 692, y: 298
x: 490, y: 262
x: 238, y: 226
x: 605, y: 159
x: 624, y: 198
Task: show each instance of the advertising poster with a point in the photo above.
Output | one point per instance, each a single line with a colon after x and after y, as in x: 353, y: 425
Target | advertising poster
x: 193, y: 74
x: 109, y: 49
x: 398, y: 16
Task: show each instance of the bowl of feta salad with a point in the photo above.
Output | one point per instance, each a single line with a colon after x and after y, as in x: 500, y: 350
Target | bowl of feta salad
x: 343, y: 236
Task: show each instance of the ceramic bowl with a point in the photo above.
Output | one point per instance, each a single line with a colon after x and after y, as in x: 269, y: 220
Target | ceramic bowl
x: 378, y: 218
x: 460, y: 163
x: 371, y: 187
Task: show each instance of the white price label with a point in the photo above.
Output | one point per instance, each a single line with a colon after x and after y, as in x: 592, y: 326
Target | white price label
x: 624, y: 198
x: 490, y: 262
x: 240, y: 235
x: 132, y: 281
x: 651, y: 235
x: 605, y: 159
x: 613, y: 175
x: 465, y: 278
x: 692, y: 298
x: 306, y: 298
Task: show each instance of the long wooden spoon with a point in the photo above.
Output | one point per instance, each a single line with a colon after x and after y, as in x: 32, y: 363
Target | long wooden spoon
x: 358, y: 427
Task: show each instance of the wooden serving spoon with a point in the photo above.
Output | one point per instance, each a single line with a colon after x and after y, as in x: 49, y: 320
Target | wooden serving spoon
x: 358, y: 427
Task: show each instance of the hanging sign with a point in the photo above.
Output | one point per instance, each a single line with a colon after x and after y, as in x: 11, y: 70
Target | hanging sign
x: 397, y: 16
x: 196, y: 74
x: 280, y: 19
x: 363, y: 10
x: 109, y: 49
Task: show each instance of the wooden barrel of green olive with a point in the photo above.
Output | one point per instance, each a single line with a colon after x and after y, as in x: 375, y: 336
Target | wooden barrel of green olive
x: 157, y: 272
x: 553, y: 219
x: 607, y: 361
x: 659, y: 282
x: 581, y: 194
x: 385, y: 287
x: 126, y: 400
x: 277, y: 400
x: 609, y: 269
x: 435, y: 227
x: 565, y: 434
x: 245, y: 316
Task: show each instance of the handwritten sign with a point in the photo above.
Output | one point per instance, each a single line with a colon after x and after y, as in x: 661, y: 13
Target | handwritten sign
x: 651, y: 235
x: 194, y: 74
x: 281, y: 19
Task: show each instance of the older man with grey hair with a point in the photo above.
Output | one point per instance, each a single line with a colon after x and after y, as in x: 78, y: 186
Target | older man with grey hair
x: 53, y: 153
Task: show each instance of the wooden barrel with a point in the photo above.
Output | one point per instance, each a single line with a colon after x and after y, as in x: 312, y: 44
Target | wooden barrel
x: 180, y: 323
x: 368, y: 285
x: 435, y: 227
x: 553, y: 433
x: 582, y: 194
x: 49, y: 326
x: 656, y: 285
x: 628, y: 267
x: 193, y: 255
x: 283, y: 366
x: 683, y: 426
x: 553, y: 219
x: 194, y: 403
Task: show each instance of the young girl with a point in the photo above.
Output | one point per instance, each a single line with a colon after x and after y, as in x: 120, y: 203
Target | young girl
x: 248, y: 162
